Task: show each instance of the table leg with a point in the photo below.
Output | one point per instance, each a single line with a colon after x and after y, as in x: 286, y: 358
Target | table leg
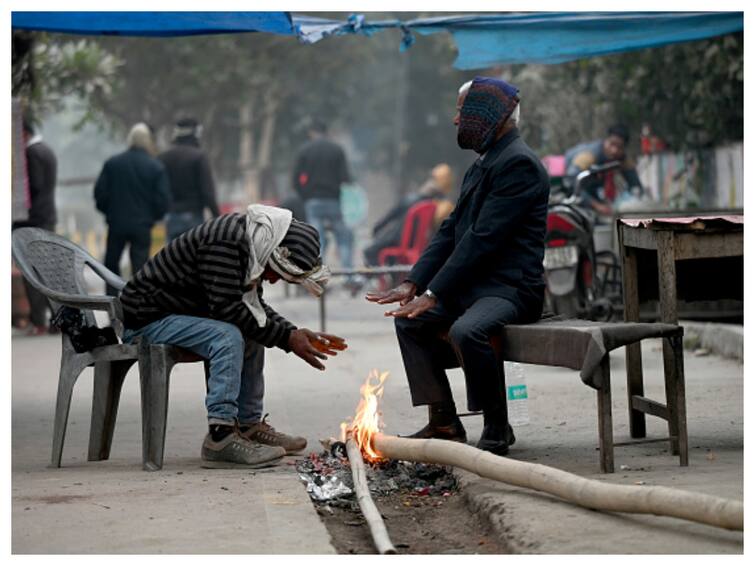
x: 635, y: 384
x: 667, y: 300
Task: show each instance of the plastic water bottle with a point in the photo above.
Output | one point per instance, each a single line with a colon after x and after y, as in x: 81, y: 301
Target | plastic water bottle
x: 516, y: 393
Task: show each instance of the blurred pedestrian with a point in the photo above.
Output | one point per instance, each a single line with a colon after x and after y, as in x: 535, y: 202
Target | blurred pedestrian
x: 191, y: 184
x: 607, y: 187
x: 41, y: 169
x: 132, y: 192
x: 387, y: 231
x: 319, y: 172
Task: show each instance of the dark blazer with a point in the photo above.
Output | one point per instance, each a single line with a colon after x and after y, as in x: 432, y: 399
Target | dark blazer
x: 190, y: 176
x: 493, y: 242
x: 132, y: 190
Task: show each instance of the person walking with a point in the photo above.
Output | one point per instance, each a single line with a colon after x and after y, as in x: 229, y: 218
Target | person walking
x: 132, y: 192
x: 41, y: 169
x: 319, y: 172
x: 192, y: 187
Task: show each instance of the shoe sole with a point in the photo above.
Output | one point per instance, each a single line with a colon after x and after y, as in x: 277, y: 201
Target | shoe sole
x: 224, y: 465
x: 297, y: 451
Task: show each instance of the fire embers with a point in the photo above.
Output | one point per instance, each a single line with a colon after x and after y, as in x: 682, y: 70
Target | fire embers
x: 328, y: 478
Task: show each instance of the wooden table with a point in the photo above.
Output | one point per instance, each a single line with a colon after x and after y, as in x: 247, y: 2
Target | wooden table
x: 672, y: 239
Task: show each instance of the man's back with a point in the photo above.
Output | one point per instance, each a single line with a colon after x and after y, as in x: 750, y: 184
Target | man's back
x: 42, y: 167
x: 320, y: 170
x: 191, y: 185
x: 132, y: 190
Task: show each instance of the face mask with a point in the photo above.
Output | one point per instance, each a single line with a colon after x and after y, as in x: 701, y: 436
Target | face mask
x: 486, y: 107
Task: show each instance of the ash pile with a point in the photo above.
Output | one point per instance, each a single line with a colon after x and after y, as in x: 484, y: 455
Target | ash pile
x: 328, y: 479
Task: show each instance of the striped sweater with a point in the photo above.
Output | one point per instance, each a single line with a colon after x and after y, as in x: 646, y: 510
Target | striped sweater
x: 201, y: 273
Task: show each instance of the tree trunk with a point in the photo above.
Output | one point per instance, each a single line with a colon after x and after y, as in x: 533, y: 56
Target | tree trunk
x: 246, y: 154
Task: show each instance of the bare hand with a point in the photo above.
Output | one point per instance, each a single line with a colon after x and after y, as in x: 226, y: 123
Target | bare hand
x: 310, y: 346
x: 414, y: 308
x: 401, y: 294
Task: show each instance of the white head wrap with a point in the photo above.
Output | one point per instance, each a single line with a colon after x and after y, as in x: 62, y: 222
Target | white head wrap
x: 266, y: 227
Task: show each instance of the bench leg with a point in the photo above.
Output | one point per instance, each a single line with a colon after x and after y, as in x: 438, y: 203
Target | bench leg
x: 677, y: 404
x: 605, y: 419
x: 633, y: 351
x: 669, y: 375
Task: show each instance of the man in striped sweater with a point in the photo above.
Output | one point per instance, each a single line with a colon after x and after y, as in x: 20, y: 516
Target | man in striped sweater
x: 203, y: 292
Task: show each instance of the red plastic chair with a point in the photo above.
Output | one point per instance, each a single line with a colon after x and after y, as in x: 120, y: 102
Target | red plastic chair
x: 414, y: 238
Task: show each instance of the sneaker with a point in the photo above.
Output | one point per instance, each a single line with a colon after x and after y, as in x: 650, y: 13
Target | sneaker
x: 264, y: 433
x: 496, y: 439
x: 234, y: 451
x: 455, y: 431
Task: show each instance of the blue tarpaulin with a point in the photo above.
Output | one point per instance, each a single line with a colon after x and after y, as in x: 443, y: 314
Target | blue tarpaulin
x: 159, y: 24
x: 482, y: 40
x: 541, y: 37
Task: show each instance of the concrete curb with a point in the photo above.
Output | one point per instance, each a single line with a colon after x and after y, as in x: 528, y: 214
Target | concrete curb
x: 725, y: 340
x: 492, y: 509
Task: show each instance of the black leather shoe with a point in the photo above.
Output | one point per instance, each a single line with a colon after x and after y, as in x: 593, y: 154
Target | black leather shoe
x: 455, y: 431
x: 496, y: 439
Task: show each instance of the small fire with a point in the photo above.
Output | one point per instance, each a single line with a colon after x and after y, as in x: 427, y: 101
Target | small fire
x: 368, y: 421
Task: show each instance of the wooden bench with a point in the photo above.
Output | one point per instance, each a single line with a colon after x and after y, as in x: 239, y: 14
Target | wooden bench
x: 585, y: 346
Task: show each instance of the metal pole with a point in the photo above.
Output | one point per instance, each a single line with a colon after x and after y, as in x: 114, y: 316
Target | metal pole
x: 322, y: 311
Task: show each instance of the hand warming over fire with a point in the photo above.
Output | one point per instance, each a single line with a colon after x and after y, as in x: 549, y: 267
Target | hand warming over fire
x: 310, y: 346
x: 414, y: 308
x: 401, y: 294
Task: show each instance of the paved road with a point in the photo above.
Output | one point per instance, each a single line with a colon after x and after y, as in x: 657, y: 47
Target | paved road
x: 102, y: 507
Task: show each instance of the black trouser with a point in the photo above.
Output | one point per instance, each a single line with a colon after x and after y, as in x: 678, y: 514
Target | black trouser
x: 138, y: 239
x: 38, y: 303
x: 426, y: 355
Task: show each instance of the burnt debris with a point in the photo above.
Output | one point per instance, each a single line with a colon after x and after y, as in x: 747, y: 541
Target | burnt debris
x: 327, y: 476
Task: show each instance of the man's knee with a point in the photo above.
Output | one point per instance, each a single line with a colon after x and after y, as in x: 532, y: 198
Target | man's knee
x: 405, y: 325
x: 227, y: 338
x: 463, y: 333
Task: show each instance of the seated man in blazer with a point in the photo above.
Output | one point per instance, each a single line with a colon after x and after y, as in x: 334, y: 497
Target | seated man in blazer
x: 483, y: 270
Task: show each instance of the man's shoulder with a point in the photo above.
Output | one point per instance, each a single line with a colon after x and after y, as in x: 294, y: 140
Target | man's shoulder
x: 591, y: 147
x: 40, y: 148
x: 322, y: 145
x: 229, y: 227
x: 518, y: 153
x: 183, y: 149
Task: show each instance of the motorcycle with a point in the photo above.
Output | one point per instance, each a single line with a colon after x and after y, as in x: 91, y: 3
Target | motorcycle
x: 580, y: 281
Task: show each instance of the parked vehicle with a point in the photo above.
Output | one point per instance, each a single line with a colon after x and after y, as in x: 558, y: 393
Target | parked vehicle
x: 581, y: 282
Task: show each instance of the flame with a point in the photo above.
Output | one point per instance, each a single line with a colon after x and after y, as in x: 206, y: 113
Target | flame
x: 368, y: 420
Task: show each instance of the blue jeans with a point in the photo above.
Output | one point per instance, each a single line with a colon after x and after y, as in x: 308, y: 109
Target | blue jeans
x: 177, y: 223
x: 325, y: 214
x: 236, y: 384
